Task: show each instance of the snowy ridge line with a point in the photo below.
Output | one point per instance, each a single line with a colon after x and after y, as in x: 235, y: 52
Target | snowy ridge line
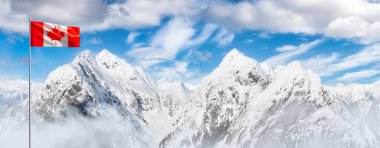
x: 241, y: 103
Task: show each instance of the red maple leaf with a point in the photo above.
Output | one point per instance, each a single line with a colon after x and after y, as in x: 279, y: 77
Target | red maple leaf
x: 55, y: 34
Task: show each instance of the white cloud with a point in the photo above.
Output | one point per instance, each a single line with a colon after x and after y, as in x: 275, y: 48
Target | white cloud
x: 266, y: 15
x: 319, y: 63
x: 206, y: 33
x: 354, y: 27
x: 224, y: 37
x: 11, y: 21
x: 368, y: 55
x: 196, y: 55
x: 14, y: 14
x: 178, y: 35
x: 349, y: 19
x: 297, y: 16
x: 178, y: 71
x: 91, y: 15
x: 181, y: 70
x: 249, y: 41
x: 77, y: 131
x: 286, y: 56
x: 143, y: 13
x: 286, y: 48
x: 65, y: 12
x: 377, y: 65
x: 166, y: 43
x: 11, y: 39
x: 95, y: 41
x: 264, y: 35
x: 131, y: 37
x: 359, y: 75
x: 175, y: 72
x: 328, y: 65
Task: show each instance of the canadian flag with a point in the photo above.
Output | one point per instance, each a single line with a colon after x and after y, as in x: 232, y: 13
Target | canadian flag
x: 44, y: 34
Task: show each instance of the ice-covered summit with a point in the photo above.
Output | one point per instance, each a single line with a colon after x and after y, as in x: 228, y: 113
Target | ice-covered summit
x: 90, y: 82
x: 235, y: 60
x: 241, y: 103
x: 237, y: 67
x: 244, y: 103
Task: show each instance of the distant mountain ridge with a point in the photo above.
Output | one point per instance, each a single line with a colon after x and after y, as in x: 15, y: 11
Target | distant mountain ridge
x: 241, y: 103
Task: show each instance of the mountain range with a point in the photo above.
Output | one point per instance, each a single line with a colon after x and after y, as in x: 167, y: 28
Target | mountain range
x: 103, y: 101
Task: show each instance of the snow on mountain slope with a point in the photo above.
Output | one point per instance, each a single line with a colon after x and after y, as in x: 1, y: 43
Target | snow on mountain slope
x: 13, y: 91
x: 173, y: 97
x: 173, y: 94
x: 101, y: 90
x: 243, y: 103
x: 119, y: 72
x: 221, y: 98
x: 13, y: 101
x: 90, y: 84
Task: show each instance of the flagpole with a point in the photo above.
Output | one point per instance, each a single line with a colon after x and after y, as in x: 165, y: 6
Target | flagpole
x: 29, y: 64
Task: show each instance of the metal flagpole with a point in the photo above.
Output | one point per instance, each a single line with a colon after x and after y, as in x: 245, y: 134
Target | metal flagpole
x: 30, y: 56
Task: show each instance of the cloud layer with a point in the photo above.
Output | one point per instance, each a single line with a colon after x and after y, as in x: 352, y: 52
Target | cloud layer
x: 288, y: 52
x: 181, y: 26
x: 348, y: 19
x: 92, y: 15
x: 330, y: 64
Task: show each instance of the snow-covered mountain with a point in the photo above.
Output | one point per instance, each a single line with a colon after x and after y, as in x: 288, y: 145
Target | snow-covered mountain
x: 241, y: 103
x: 13, y: 91
x: 90, y: 84
x: 13, y: 101
x: 95, y: 87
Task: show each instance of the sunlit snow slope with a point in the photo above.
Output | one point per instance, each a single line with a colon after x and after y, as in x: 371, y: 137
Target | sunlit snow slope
x: 107, y: 102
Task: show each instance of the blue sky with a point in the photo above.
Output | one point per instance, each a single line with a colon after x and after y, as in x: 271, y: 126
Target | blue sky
x: 187, y: 39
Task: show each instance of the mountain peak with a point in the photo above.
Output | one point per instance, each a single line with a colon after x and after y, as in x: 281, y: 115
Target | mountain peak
x: 233, y: 52
x: 105, y: 55
x: 84, y: 56
x: 235, y: 58
x: 110, y: 61
x: 295, y: 65
x: 105, y: 52
x: 85, y: 53
x: 233, y: 64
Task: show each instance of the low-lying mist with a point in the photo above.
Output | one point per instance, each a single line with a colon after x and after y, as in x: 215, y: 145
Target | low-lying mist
x: 76, y: 131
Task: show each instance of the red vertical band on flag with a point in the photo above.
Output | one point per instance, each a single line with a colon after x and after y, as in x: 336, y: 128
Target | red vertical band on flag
x: 37, y: 33
x: 73, y: 36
